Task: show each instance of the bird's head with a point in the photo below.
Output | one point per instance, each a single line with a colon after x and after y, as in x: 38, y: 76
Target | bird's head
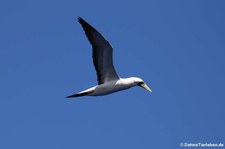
x: 141, y: 83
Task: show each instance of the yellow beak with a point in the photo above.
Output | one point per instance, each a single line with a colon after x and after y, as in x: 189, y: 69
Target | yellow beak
x: 145, y: 87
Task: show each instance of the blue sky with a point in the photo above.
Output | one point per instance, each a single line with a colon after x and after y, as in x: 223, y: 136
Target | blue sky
x: 176, y: 47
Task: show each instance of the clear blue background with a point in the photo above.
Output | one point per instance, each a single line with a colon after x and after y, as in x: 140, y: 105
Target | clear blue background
x: 177, y: 47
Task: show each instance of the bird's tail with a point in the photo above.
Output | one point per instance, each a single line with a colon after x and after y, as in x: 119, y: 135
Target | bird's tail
x: 84, y: 93
x: 77, y: 95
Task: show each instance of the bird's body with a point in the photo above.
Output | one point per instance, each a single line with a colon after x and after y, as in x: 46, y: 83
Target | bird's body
x: 108, y: 79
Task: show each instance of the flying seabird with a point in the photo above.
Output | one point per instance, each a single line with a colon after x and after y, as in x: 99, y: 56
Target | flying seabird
x: 108, y: 79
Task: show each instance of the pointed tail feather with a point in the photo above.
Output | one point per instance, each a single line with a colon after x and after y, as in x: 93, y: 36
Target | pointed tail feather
x: 84, y: 93
x: 78, y: 95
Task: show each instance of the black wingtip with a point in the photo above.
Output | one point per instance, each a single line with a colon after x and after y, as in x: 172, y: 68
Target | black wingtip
x: 84, y: 24
x: 81, y: 20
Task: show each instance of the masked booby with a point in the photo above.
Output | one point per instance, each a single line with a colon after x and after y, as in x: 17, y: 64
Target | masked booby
x: 108, y: 79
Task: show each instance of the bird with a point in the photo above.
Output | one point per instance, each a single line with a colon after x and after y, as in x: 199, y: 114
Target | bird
x: 108, y: 79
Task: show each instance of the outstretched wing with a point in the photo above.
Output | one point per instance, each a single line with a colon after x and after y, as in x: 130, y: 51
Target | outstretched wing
x: 102, y: 54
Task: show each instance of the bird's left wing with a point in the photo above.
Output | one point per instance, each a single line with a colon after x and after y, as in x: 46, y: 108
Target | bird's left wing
x: 102, y: 54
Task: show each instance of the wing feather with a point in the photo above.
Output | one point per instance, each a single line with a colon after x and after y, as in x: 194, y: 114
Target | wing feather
x: 102, y: 54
